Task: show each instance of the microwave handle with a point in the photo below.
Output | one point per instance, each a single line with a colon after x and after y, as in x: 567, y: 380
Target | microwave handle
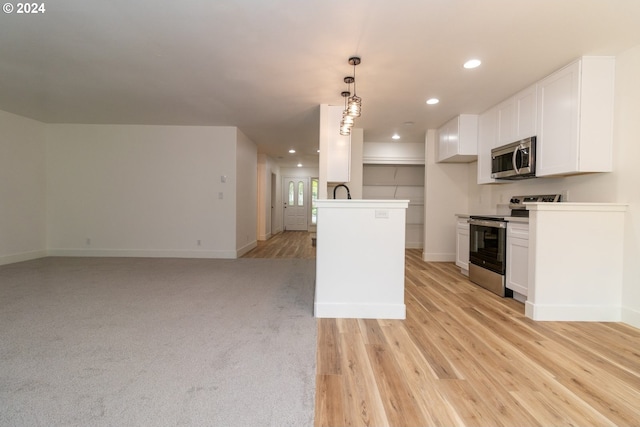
x: 513, y: 159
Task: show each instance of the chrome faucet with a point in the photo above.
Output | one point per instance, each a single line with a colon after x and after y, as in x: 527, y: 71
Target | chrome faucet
x: 341, y: 185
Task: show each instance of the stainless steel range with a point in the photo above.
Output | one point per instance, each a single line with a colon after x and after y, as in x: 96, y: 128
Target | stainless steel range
x: 488, y: 243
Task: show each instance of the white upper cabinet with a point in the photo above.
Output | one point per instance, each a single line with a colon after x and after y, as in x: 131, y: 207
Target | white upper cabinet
x: 509, y: 121
x: 526, y: 112
x: 458, y: 139
x: 575, y: 118
x: 517, y: 116
x: 335, y: 148
x: 506, y: 122
x: 487, y: 139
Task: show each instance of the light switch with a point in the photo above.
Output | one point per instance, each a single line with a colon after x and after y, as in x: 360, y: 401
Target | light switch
x: 223, y: 178
x: 221, y: 195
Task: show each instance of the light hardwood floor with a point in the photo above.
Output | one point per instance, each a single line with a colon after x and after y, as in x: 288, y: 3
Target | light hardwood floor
x: 466, y: 357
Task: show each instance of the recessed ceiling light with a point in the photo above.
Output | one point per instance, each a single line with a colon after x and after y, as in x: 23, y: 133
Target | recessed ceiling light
x: 292, y: 151
x: 318, y: 150
x: 472, y: 63
x: 432, y: 101
x: 395, y: 136
x: 299, y: 165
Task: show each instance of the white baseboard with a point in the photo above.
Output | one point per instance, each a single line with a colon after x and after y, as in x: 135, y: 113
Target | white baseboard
x: 435, y: 257
x: 413, y: 245
x: 24, y: 256
x: 141, y: 253
x: 569, y: 313
x: 246, y: 248
x: 631, y: 316
x: 359, y: 311
x: 264, y: 237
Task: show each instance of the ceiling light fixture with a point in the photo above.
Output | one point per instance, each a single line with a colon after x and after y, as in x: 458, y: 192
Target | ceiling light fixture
x: 432, y: 101
x: 299, y: 165
x: 395, y: 136
x: 472, y: 63
x: 355, y: 102
x: 292, y: 151
x: 352, y: 103
x: 347, y: 121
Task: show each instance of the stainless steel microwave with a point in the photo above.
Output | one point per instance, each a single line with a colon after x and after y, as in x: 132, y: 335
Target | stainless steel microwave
x: 514, y: 161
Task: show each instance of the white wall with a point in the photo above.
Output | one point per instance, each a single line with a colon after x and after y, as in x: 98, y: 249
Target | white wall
x: 357, y: 148
x: 627, y: 124
x: 22, y: 189
x: 141, y: 190
x: 246, y: 194
x: 266, y: 167
x: 446, y: 194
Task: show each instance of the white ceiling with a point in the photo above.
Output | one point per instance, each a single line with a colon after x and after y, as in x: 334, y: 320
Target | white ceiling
x: 265, y: 66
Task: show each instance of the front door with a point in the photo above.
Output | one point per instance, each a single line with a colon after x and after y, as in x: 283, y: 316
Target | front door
x: 296, y: 203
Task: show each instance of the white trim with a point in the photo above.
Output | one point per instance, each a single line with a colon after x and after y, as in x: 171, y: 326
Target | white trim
x: 371, y: 160
x: 576, y: 313
x: 246, y: 248
x: 266, y: 236
x: 631, y: 316
x: 413, y: 245
x: 359, y: 311
x: 577, y: 207
x: 435, y: 257
x: 141, y: 253
x: 362, y: 204
x: 24, y: 256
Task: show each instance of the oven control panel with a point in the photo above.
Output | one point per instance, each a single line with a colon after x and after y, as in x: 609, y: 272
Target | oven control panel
x: 517, y: 202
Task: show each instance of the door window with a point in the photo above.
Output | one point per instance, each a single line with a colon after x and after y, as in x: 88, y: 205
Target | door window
x: 300, y: 193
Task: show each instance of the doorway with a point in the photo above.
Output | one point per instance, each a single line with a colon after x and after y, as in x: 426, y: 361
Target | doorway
x: 275, y: 228
x: 296, y: 203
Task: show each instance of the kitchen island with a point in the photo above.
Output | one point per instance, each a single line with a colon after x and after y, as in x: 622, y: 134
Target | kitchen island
x: 360, y: 259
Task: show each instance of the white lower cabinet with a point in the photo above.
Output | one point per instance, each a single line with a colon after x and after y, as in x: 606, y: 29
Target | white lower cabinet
x: 462, y: 245
x: 517, y: 270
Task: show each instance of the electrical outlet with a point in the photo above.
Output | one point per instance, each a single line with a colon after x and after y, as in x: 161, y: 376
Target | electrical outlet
x: 220, y: 195
x: 199, y: 242
x: 88, y: 241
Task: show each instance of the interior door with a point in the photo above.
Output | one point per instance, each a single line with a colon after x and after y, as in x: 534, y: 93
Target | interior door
x: 296, y: 203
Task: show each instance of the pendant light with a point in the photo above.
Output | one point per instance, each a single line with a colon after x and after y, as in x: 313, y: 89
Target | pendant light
x: 354, y: 106
x: 347, y: 121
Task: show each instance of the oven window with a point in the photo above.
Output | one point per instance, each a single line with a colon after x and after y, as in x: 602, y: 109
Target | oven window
x: 487, y: 247
x: 502, y: 163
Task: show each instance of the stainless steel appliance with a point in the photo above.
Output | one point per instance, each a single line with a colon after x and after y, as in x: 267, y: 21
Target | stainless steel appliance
x: 487, y: 253
x: 488, y: 243
x: 514, y: 161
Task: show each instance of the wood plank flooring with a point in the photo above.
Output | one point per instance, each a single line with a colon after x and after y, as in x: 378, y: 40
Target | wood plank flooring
x: 288, y: 244
x: 466, y: 357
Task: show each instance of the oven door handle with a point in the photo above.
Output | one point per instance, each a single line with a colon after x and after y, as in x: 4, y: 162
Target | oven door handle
x: 485, y: 223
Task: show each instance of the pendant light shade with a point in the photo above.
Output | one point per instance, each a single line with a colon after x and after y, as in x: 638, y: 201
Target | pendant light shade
x: 347, y: 121
x: 352, y: 103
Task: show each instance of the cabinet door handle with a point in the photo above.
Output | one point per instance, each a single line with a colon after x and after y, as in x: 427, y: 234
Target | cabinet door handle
x: 513, y: 159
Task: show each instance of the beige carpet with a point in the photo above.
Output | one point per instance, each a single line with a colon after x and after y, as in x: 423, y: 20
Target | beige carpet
x: 157, y: 342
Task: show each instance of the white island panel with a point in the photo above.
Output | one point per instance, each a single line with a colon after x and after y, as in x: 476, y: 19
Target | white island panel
x: 360, y: 259
x: 575, y: 259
